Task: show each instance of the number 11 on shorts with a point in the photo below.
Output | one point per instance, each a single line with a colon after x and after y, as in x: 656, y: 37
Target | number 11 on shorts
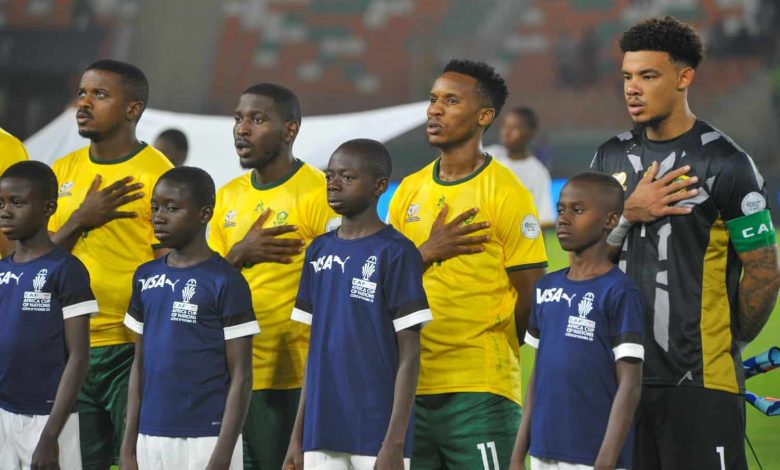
x: 483, y: 448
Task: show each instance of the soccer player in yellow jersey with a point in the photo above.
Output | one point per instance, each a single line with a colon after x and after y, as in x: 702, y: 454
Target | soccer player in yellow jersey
x: 104, y: 219
x: 262, y: 223
x: 477, y: 230
x: 11, y: 151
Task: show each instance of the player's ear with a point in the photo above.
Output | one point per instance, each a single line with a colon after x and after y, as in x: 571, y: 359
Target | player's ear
x: 486, y: 116
x: 685, y: 78
x: 380, y: 186
x: 206, y: 213
x: 291, y: 132
x: 613, y: 218
x: 51, y: 207
x: 134, y: 110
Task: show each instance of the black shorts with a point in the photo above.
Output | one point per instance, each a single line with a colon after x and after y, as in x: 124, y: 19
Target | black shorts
x: 689, y: 428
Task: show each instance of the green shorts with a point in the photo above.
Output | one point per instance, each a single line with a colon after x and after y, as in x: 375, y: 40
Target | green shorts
x: 268, y: 426
x: 101, y: 405
x: 464, y: 431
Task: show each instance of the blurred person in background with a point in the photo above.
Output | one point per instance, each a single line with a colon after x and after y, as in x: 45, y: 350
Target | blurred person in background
x: 173, y: 144
x: 11, y: 151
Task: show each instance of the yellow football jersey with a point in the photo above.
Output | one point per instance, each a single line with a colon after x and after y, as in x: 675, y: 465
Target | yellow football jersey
x: 299, y: 199
x: 112, y: 252
x: 11, y: 151
x: 471, y: 345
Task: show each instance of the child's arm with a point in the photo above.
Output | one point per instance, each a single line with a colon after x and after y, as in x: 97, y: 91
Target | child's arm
x: 294, y: 458
x: 46, y: 453
x: 392, y: 452
x: 523, y: 441
x: 238, y: 352
x: 127, y: 454
x: 629, y: 375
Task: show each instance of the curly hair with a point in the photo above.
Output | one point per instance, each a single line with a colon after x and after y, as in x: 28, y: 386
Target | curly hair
x: 678, y: 39
x: 490, y: 85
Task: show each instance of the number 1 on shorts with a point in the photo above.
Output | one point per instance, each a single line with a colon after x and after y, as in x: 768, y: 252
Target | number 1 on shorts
x: 483, y: 447
x: 722, y: 453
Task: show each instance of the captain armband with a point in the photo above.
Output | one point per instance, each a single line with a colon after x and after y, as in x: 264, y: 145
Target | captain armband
x: 751, y: 232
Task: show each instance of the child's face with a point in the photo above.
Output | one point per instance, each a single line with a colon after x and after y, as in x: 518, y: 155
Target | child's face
x: 582, y: 219
x: 351, y: 185
x: 22, y: 212
x: 176, y: 216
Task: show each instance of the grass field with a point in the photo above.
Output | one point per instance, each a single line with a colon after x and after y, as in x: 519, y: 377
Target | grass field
x: 763, y: 431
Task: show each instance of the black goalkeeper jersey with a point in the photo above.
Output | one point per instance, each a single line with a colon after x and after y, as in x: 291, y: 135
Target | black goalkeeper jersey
x: 685, y: 266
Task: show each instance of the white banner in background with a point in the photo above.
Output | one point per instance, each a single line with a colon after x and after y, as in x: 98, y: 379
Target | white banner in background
x: 211, y: 137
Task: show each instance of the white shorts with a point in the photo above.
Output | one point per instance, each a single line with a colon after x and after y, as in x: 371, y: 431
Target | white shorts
x: 19, y: 435
x: 327, y: 460
x: 181, y: 453
x: 545, y: 464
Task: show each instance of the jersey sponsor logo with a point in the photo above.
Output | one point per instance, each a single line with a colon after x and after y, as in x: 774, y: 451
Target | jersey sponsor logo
x: 332, y: 224
x: 530, y: 227
x: 753, y: 202
x: 621, y: 178
x: 230, y: 219
x: 554, y: 294
x: 185, y: 311
x: 66, y: 189
x: 364, y: 289
x: 413, y: 213
x: 326, y: 263
x: 36, y: 300
x: 159, y: 280
x: 6, y: 277
x: 580, y: 327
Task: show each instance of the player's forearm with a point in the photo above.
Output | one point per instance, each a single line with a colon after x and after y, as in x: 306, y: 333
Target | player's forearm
x: 757, y: 290
x: 296, y: 438
x: 405, y: 387
x: 239, y: 359
x: 621, y: 415
x: 236, y: 256
x: 133, y: 407
x: 523, y: 439
x: 67, y: 236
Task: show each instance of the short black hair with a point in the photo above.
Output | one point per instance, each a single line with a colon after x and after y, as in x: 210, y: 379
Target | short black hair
x: 490, y: 84
x: 196, y: 180
x: 608, y: 188
x: 528, y: 114
x: 287, y: 104
x: 135, y: 83
x: 176, y: 138
x: 373, y: 153
x: 678, y: 39
x: 38, y: 174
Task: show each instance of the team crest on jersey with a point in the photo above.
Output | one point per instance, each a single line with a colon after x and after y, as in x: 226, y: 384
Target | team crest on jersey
x: 65, y: 189
x: 332, y: 224
x: 230, y: 219
x: 281, y: 218
x: 621, y: 178
x: 260, y: 207
x: 364, y: 289
x: 8, y: 276
x: 159, y: 280
x: 37, y: 300
x: 413, y: 213
x: 326, y: 263
x: 530, y: 227
x: 185, y: 311
x: 580, y: 326
x: 752, y: 203
x: 440, y: 202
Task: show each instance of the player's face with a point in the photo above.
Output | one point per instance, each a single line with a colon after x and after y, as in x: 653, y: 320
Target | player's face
x: 352, y: 188
x: 22, y: 212
x: 455, y: 110
x: 176, y: 217
x: 259, y: 132
x: 516, y: 134
x: 650, y: 85
x: 581, y: 219
x: 102, y: 105
x: 176, y: 157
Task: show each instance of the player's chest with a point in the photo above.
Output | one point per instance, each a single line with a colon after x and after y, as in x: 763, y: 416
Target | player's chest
x: 28, y: 290
x: 569, y: 315
x: 176, y: 301
x: 421, y: 210
x: 75, y: 186
x: 238, y: 215
x: 354, y: 276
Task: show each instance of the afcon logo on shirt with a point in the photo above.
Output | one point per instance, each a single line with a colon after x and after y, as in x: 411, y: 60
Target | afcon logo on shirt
x: 40, y: 280
x: 188, y: 291
x: 369, y: 267
x: 65, y: 189
x: 230, y: 219
x: 586, y: 305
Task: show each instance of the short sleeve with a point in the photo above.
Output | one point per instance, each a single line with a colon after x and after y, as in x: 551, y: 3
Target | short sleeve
x: 216, y: 233
x: 626, y: 324
x: 134, y: 318
x: 519, y: 231
x: 403, y: 289
x: 739, y: 189
x: 532, y: 332
x: 235, y: 307
x: 73, y: 287
x: 303, y: 309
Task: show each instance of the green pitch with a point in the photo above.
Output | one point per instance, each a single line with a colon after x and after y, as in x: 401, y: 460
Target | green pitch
x: 763, y: 431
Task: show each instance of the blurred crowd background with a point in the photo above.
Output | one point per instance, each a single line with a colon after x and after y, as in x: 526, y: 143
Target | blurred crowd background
x: 559, y: 57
